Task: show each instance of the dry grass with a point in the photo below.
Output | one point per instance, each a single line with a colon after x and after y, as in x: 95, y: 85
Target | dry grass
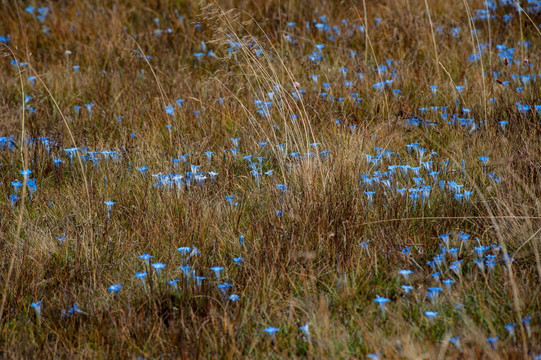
x: 308, y: 265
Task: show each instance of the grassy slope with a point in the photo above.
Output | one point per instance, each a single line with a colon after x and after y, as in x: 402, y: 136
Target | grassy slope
x: 308, y: 265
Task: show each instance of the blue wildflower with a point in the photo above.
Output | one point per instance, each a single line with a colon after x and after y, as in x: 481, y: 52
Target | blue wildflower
x: 407, y: 289
x: 173, y: 283
x: 433, y: 293
x: 37, y: 308
x: 158, y: 267
x: 431, y: 315
x: 510, y: 329
x: 271, y: 331
x: 493, y: 341
x: 224, y: 287
x: 146, y: 258
x: 74, y: 310
x: 455, y: 340
x: 109, y: 204
x: 448, y: 283
x: 381, y: 301
x: 143, y: 170
x: 26, y: 173
x: 217, y: 270
x: 405, y: 274
x: 115, y: 288
x: 13, y: 199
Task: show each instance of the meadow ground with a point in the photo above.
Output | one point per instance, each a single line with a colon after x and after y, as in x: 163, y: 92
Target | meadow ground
x: 270, y: 179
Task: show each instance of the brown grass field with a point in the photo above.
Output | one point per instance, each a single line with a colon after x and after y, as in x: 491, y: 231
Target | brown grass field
x: 285, y: 163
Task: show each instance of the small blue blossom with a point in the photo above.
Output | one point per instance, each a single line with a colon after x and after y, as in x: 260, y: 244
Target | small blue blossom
x: 493, y: 341
x: 405, y: 273
x: 158, y: 267
x: 217, y: 270
x: 381, y: 301
x: 141, y: 276
x: 431, y: 315
x: 224, y: 287
x: 271, y: 330
x: 37, y: 308
x: 455, y: 340
x: 142, y: 170
x: 407, y: 289
x: 115, y: 288
x: 173, y: 283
